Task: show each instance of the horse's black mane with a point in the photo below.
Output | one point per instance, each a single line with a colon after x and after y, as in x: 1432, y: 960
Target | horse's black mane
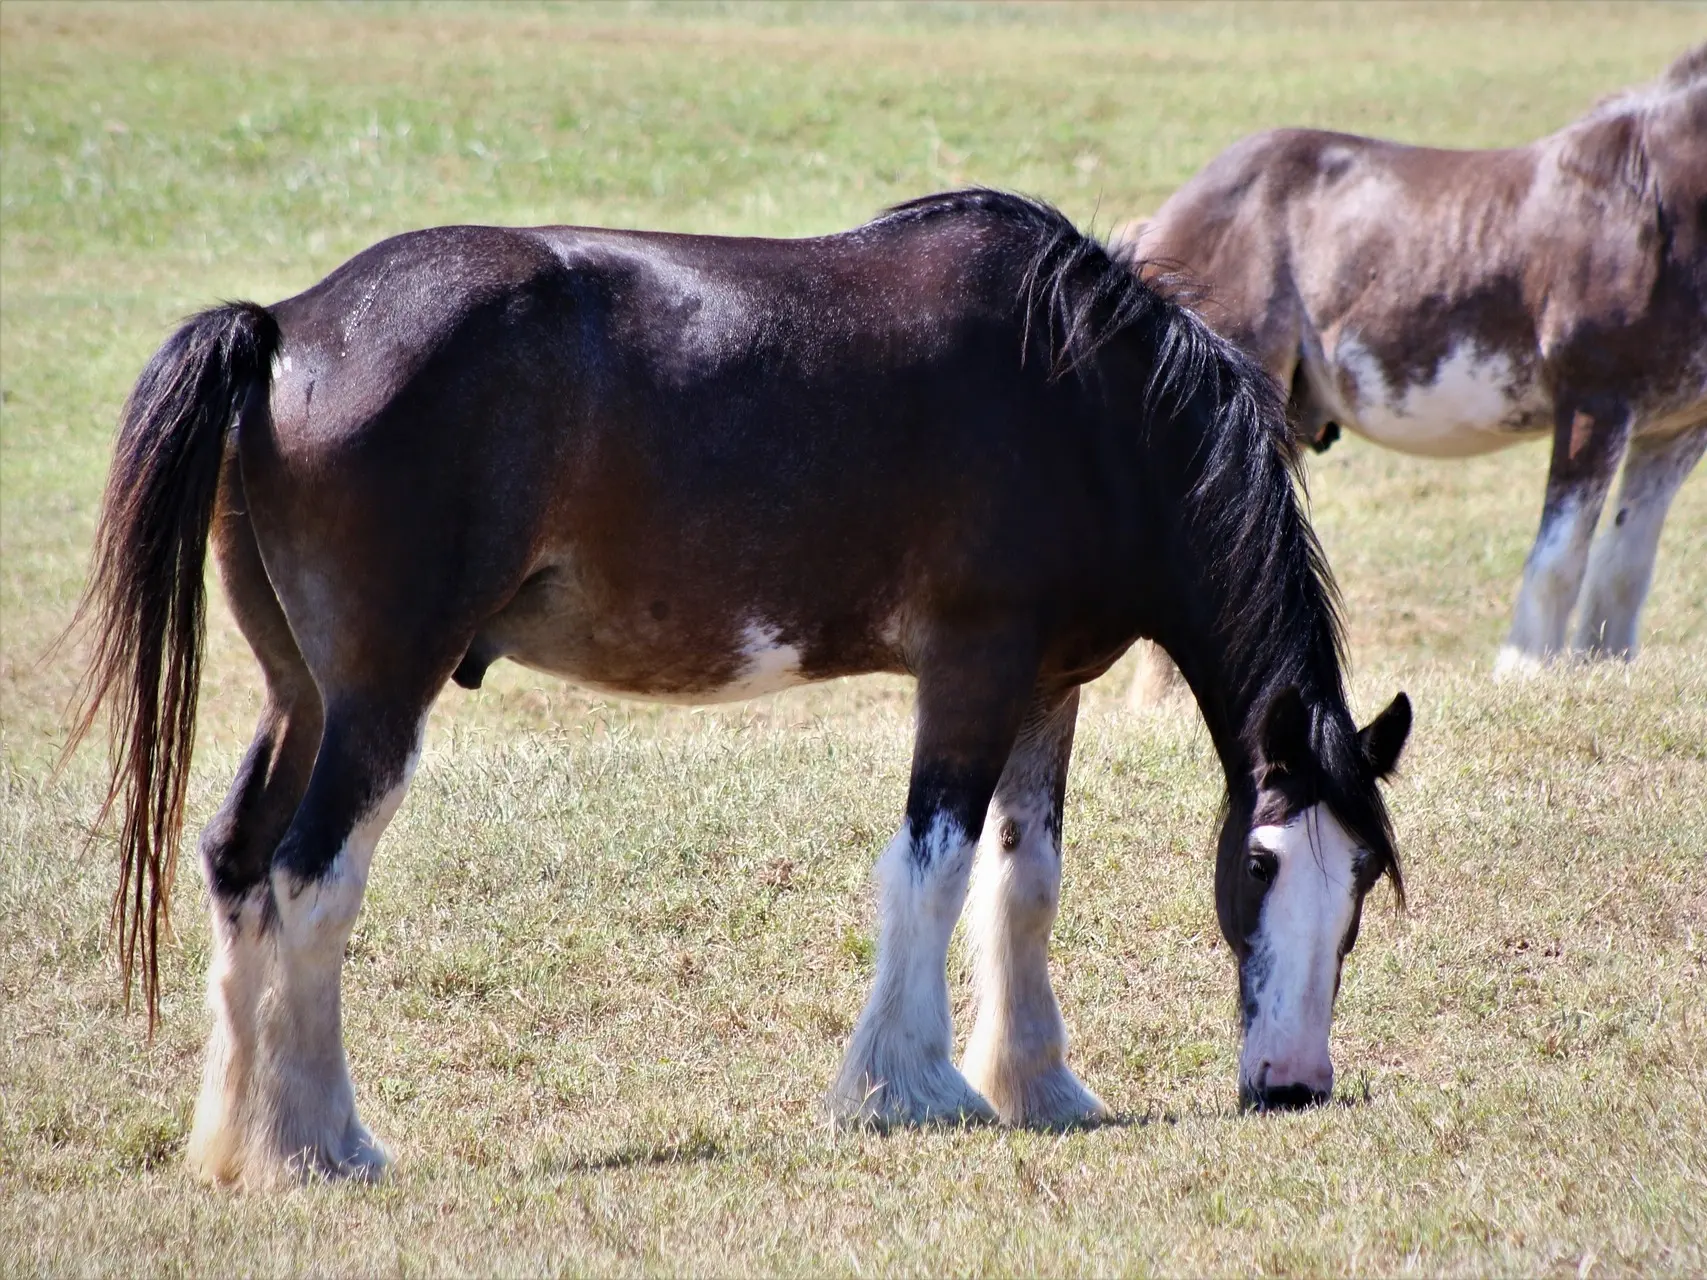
x: 1280, y: 622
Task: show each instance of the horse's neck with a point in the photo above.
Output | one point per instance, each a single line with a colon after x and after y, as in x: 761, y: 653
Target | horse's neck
x: 1233, y: 688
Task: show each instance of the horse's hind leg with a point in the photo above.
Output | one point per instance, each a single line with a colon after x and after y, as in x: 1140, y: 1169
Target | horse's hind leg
x: 1588, y: 440
x: 972, y: 697
x: 302, y: 1103
x: 287, y: 863
x: 237, y: 847
x: 1622, y: 563
x: 1017, y: 1054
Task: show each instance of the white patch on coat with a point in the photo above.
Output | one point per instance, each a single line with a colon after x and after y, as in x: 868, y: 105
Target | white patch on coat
x: 1295, y: 957
x: 1466, y: 409
x: 891, y: 633
x: 767, y: 666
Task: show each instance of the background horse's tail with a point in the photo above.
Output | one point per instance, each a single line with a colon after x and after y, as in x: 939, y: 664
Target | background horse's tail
x: 145, y: 601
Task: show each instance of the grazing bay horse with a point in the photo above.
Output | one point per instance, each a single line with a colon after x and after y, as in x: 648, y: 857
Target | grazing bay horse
x: 961, y: 442
x: 1449, y: 303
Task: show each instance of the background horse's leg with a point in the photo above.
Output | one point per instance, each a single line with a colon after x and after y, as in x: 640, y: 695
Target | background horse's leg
x: 972, y: 696
x: 1588, y: 441
x: 237, y: 847
x: 1155, y: 678
x: 1017, y: 1054
x: 1622, y: 563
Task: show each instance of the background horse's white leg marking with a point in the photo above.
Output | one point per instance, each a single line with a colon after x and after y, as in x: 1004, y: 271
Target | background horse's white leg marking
x: 1587, y: 447
x: 1552, y: 578
x: 1621, y: 566
x: 1017, y: 1055
x: 897, y: 1068
x: 277, y: 1101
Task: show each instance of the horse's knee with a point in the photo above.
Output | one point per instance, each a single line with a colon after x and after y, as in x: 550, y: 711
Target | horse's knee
x: 1023, y: 864
x: 237, y: 844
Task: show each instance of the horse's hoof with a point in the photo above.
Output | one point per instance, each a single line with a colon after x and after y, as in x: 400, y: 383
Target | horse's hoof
x: 1514, y: 664
x: 937, y: 1097
x: 364, y: 1160
x: 225, y: 1160
x: 1054, y: 1099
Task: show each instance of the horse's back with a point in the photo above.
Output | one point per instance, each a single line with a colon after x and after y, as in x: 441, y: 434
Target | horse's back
x: 599, y: 307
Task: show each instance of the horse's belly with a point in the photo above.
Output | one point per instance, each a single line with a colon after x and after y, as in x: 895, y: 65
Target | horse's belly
x: 1473, y: 401
x: 666, y: 668
x: 658, y: 648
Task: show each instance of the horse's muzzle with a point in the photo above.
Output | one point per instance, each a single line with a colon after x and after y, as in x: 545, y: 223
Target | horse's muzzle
x: 1286, y: 1097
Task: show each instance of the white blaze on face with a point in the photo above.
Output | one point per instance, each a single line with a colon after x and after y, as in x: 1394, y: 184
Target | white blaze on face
x: 1293, y: 969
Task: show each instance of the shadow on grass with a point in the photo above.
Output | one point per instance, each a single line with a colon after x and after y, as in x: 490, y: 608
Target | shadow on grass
x: 1356, y: 1095
x: 695, y: 1149
x: 701, y: 1148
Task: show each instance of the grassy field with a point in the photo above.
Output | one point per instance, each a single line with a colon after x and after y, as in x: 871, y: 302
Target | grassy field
x: 611, y: 952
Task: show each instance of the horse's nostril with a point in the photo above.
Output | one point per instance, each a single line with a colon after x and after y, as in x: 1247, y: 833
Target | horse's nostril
x: 1288, y: 1097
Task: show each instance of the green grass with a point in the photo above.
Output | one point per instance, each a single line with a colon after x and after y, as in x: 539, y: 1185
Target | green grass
x: 611, y: 952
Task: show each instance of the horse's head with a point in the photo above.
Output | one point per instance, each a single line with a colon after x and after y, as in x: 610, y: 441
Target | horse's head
x: 1290, y: 884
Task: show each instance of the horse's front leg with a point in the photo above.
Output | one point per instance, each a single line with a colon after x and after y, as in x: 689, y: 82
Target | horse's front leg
x: 1017, y: 1056
x: 898, y: 1068
x: 1621, y: 566
x: 1588, y: 441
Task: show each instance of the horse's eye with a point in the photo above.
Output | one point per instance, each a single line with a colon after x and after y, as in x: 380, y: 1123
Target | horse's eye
x: 1262, y: 866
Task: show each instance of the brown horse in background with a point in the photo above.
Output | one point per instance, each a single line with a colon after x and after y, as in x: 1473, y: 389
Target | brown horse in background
x: 1449, y: 303
x: 960, y: 442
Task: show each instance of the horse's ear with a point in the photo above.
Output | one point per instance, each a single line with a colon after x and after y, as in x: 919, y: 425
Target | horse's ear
x: 1383, y: 738
x: 1286, y: 732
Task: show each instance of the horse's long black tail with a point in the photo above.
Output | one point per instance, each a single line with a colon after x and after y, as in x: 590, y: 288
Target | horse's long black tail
x: 145, y: 601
